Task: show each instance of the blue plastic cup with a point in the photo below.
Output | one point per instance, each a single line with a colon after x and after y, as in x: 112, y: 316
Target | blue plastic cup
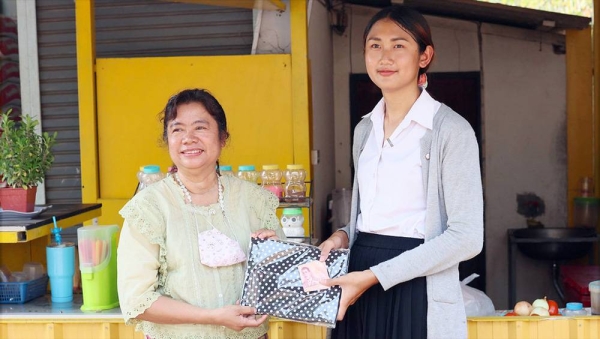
x: 61, y: 267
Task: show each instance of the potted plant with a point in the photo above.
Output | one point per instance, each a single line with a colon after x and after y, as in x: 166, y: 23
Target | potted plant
x: 531, y: 206
x: 25, y: 156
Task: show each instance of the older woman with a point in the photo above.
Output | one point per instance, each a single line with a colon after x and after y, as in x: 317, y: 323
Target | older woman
x: 181, y: 256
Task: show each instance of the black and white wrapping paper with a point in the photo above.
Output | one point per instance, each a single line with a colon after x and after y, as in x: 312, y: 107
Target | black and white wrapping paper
x: 273, y: 286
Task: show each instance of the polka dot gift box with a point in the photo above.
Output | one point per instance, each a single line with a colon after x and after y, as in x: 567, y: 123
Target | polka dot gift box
x: 275, y: 285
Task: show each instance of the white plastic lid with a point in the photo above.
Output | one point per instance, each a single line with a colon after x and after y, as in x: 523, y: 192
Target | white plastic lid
x: 594, y: 286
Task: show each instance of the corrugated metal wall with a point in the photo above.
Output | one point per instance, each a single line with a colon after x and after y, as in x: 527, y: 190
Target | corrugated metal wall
x: 124, y: 28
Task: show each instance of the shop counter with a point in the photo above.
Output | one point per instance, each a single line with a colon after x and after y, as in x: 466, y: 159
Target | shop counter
x: 554, y: 327
x: 41, y: 319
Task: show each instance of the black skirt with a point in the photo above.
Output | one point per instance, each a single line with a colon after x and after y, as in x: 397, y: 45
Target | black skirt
x: 401, y: 311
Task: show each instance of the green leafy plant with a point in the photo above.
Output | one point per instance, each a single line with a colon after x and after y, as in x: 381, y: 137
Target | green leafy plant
x: 25, y: 155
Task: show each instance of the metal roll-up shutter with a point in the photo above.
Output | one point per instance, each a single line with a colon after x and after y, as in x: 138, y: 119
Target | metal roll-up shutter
x: 133, y: 28
x: 124, y: 28
x: 58, y: 96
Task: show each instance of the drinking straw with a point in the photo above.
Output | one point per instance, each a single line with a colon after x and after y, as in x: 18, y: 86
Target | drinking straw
x: 56, y: 231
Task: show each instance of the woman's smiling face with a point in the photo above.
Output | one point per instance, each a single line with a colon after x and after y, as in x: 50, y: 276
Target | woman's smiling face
x: 392, y: 56
x: 193, y: 138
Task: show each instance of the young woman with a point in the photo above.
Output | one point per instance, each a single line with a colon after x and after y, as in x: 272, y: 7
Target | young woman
x: 181, y: 255
x: 417, y: 204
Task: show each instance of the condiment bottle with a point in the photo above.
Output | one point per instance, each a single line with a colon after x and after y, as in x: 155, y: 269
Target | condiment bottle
x: 271, y: 179
x: 248, y: 173
x: 295, y: 189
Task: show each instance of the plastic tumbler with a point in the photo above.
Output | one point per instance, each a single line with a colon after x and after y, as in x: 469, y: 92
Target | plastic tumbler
x: 61, y: 267
x: 594, y: 288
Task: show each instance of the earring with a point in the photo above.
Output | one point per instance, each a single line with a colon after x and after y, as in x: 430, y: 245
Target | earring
x: 422, y: 81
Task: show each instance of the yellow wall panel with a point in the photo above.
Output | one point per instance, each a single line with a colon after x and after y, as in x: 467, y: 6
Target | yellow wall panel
x: 110, y: 211
x: 254, y: 90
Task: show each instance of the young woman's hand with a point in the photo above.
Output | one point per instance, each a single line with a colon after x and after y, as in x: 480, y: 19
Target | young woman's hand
x: 353, y: 285
x: 237, y: 317
x: 336, y: 241
x: 264, y: 233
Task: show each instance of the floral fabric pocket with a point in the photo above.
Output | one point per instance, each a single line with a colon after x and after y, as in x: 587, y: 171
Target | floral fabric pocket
x: 217, y: 249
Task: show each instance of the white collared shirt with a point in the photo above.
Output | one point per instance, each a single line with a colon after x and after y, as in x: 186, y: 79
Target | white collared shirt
x: 392, y: 197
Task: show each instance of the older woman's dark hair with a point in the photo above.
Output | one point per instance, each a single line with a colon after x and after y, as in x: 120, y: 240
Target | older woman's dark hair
x: 409, y: 20
x: 201, y: 96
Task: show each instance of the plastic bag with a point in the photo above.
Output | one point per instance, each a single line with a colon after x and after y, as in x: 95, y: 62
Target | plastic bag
x: 275, y: 283
x: 477, y: 303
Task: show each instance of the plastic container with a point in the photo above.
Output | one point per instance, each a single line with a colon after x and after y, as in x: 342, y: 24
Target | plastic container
x: 140, y: 175
x: 22, y: 292
x: 594, y: 288
x: 98, y: 265
x: 149, y: 175
x: 574, y: 309
x: 226, y: 170
x: 585, y: 212
x: 33, y: 270
x: 19, y: 277
x: 295, y: 188
x: 271, y: 179
x: 292, y: 221
x: 248, y: 173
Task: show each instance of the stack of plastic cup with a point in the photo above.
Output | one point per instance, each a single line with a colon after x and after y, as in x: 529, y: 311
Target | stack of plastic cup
x: 98, y: 265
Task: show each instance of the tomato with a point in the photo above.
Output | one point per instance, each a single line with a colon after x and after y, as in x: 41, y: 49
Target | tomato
x: 509, y: 314
x: 552, y: 307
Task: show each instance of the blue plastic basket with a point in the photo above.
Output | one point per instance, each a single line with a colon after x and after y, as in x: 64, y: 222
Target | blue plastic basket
x: 22, y: 292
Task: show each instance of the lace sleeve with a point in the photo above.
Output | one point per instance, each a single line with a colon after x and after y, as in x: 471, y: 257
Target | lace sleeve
x: 264, y: 204
x: 141, y: 256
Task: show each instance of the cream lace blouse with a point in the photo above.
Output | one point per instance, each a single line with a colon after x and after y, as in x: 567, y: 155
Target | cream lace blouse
x: 158, y: 253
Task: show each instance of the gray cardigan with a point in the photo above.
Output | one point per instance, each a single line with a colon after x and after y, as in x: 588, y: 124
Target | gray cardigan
x: 453, y: 223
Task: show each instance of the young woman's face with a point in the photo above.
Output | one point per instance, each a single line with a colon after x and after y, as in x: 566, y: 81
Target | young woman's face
x: 193, y: 138
x: 392, y: 56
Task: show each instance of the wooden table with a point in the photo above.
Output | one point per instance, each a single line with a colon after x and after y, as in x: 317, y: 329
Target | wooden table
x: 67, y: 215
